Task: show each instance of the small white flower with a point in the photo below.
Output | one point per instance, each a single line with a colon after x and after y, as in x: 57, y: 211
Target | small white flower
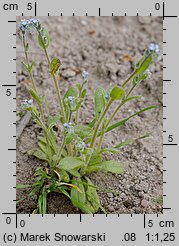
x: 154, y: 48
x: 70, y: 98
x: 85, y: 75
x: 72, y: 102
x: 149, y: 73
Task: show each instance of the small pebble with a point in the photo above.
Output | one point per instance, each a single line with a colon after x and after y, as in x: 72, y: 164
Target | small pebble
x: 68, y: 73
x: 83, y: 22
x: 144, y: 203
x: 110, y: 195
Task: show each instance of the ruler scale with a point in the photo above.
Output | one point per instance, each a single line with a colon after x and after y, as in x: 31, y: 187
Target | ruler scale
x: 108, y: 230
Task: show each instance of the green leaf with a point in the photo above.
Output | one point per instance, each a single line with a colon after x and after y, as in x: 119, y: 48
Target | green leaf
x: 44, y: 39
x: 111, y: 150
x: 144, y: 65
x: 62, y: 189
x: 137, y: 79
x: 42, y: 146
x: 83, y: 131
x: 53, y: 120
x: 107, y: 166
x: 78, y: 85
x: 22, y: 186
x: 64, y: 176
x: 25, y: 66
x: 122, y: 122
x: 130, y: 141
x: 83, y: 94
x: 131, y: 98
x: 34, y: 191
x: 72, y: 91
x: 69, y: 138
x: 95, y: 159
x: 99, y: 100
x: 55, y: 65
x: 44, y: 202
x: 78, y: 197
x: 74, y: 172
x: 31, y: 66
x: 64, y: 153
x: 117, y: 93
x: 34, y: 95
x: 69, y: 163
x: 40, y: 204
x: 53, y: 135
x: 38, y: 153
x: 92, y: 196
x: 88, y: 208
x: 92, y: 123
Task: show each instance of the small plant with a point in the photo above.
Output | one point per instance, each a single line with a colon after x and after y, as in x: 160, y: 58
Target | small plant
x: 80, y: 151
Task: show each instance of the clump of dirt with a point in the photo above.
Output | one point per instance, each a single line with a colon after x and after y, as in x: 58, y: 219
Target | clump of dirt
x: 106, y: 47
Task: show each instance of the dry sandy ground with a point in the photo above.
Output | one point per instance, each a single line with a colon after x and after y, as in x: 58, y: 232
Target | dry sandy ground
x: 102, y: 46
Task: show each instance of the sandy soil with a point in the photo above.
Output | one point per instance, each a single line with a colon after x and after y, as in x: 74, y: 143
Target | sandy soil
x: 103, y: 46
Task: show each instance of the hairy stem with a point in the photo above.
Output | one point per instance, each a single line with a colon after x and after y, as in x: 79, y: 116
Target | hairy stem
x: 46, y: 133
x: 59, y: 153
x: 31, y: 75
x: 28, y: 64
x: 112, y: 116
x: 99, y: 123
x: 55, y: 82
x: 134, y: 73
x: 101, y: 139
x: 77, y: 112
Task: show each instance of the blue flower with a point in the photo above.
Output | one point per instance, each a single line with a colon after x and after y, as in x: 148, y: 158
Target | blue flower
x: 68, y: 128
x: 24, y: 25
x: 35, y: 22
x: 27, y: 104
x: 107, y: 96
x: 154, y: 48
x: 80, y: 146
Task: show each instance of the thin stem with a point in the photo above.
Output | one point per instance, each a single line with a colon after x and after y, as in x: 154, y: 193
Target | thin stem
x: 77, y: 112
x: 47, y: 134
x: 69, y: 148
x: 101, y: 140
x: 135, y: 72
x: 59, y: 153
x: 99, y: 123
x: 28, y: 64
x: 31, y: 75
x: 55, y: 81
x: 112, y: 116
